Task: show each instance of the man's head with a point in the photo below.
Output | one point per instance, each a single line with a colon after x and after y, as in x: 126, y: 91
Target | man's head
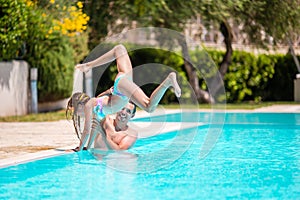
x: 127, y: 112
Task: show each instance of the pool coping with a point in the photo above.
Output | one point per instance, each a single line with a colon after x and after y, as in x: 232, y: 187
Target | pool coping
x: 16, y: 160
x: 156, y: 127
x: 28, y: 157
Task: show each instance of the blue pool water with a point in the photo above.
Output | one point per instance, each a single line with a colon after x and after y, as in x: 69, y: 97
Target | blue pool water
x: 256, y: 156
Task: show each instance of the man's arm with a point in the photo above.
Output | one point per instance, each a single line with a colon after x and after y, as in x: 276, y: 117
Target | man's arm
x: 120, y: 140
x: 129, y: 139
x: 102, y: 141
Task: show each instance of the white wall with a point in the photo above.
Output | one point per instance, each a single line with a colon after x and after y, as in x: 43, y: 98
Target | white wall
x: 14, y: 77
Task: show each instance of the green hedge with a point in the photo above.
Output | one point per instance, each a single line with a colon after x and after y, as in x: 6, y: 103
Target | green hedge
x: 247, y: 75
x: 258, y: 77
x: 281, y: 86
x: 250, y: 77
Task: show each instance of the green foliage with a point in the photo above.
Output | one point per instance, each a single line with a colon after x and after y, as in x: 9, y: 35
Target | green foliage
x: 167, y: 60
x: 248, y: 72
x: 101, y: 17
x: 27, y: 32
x: 55, y: 69
x: 258, y: 77
x: 239, y: 77
x: 276, y: 18
x: 207, y: 64
x: 279, y: 19
x: 245, y: 75
x: 249, y: 78
x: 147, y: 13
x: 52, y: 55
x: 281, y: 86
x: 80, y: 46
x: 13, y: 28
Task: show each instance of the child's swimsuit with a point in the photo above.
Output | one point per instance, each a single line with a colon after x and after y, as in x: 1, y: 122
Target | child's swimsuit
x: 115, y: 89
x: 98, y: 109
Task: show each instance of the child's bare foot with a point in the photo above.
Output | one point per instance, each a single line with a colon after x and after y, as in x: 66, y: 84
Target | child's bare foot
x: 174, y: 83
x: 82, y: 67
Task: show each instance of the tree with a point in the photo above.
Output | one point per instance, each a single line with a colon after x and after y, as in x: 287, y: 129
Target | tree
x: 255, y: 16
x: 262, y: 20
x: 101, y: 17
x: 53, y: 46
x: 278, y: 19
x: 166, y: 14
x: 45, y: 34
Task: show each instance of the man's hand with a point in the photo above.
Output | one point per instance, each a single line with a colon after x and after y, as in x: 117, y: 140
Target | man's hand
x: 75, y: 150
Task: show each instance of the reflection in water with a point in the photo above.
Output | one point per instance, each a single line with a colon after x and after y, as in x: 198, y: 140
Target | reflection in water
x: 119, y: 160
x: 119, y: 165
x: 149, y: 154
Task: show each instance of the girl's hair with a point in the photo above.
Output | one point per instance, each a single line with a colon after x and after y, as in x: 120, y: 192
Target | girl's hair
x: 76, y: 100
x: 134, y: 109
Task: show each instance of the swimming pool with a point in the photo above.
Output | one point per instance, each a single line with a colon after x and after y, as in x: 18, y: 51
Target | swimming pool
x: 256, y: 156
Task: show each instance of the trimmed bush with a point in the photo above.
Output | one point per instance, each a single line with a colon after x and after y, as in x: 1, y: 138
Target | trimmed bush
x: 250, y: 77
x: 258, y: 77
x: 281, y: 86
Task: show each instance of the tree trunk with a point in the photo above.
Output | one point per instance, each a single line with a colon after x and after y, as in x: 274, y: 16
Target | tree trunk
x: 228, y: 37
x: 292, y: 52
x: 227, y: 33
x: 202, y: 95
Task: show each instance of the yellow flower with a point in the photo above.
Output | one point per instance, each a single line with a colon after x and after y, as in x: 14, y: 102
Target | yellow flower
x: 52, y: 1
x: 79, y: 4
x: 73, y: 23
x: 29, y: 3
x: 73, y: 8
x: 56, y: 28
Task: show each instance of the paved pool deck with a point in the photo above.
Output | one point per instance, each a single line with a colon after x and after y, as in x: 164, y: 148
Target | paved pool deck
x: 24, y: 141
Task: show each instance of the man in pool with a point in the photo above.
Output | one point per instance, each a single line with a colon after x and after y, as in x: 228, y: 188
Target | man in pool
x: 113, y: 133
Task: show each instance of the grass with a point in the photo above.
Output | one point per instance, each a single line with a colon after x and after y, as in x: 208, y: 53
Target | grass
x: 60, y: 115
x: 39, y: 117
